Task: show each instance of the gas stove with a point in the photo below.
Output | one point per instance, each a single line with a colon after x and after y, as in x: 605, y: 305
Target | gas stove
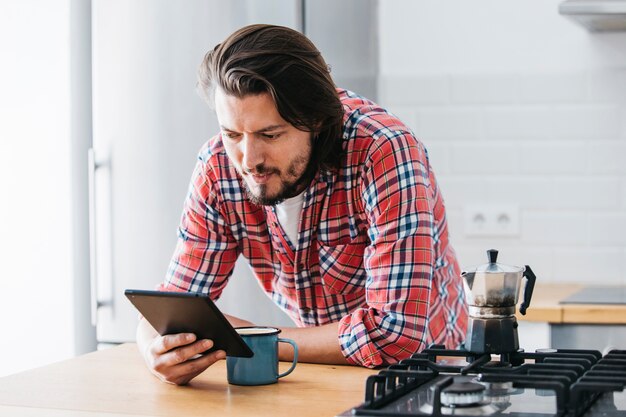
x: 549, y: 382
x: 491, y: 375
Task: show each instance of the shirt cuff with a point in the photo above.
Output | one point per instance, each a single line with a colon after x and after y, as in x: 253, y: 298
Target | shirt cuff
x: 354, y: 340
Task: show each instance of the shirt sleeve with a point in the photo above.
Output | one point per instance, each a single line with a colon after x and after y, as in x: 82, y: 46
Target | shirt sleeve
x: 206, y: 251
x: 400, y: 259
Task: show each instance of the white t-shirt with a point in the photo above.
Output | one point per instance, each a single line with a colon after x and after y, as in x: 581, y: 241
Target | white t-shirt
x: 288, y: 213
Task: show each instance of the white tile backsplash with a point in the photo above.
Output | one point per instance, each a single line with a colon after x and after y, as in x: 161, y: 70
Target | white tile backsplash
x: 607, y: 229
x: 484, y: 158
x: 604, y: 157
x: 552, y: 144
x: 554, y: 228
x: 623, y: 263
x: 450, y: 123
x: 585, y: 192
x: 590, y: 265
x: 553, y: 88
x: 410, y: 90
x: 554, y: 158
x: 529, y: 191
x: 539, y: 258
x: 607, y: 86
x: 601, y: 121
x: 484, y: 88
x: 461, y: 190
x: 518, y: 122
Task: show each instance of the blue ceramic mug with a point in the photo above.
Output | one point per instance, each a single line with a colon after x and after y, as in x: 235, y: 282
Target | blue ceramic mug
x: 262, y: 368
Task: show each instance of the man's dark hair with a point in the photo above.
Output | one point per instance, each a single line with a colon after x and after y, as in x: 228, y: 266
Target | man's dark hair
x: 285, y: 64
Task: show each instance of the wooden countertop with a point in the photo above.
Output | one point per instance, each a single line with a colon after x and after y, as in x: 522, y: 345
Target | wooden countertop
x: 545, y: 307
x: 116, y: 383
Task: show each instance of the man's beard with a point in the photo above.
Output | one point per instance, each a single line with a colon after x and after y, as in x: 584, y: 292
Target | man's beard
x: 288, y: 188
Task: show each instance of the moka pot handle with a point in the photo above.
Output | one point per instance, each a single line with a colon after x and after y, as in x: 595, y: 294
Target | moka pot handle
x: 528, y: 289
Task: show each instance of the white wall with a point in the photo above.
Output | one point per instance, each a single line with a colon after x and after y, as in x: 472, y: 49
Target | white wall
x: 35, y: 278
x: 519, y: 107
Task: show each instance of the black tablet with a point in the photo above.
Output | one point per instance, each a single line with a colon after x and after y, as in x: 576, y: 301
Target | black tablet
x: 182, y: 312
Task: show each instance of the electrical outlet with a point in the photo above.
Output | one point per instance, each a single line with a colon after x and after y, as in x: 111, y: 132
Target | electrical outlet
x: 487, y: 220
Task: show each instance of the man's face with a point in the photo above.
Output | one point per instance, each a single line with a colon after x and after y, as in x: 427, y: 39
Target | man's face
x: 269, y: 153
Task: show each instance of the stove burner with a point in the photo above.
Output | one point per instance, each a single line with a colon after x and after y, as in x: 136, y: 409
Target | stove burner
x: 559, y: 383
x: 472, y: 410
x: 462, y: 394
x: 496, y: 388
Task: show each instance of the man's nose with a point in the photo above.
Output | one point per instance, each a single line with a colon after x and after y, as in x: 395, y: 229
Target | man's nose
x: 252, y: 152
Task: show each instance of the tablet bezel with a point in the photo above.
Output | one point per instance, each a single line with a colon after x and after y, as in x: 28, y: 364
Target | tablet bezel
x: 184, y: 312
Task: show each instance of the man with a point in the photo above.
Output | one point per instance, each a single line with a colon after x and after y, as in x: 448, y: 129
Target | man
x: 330, y: 198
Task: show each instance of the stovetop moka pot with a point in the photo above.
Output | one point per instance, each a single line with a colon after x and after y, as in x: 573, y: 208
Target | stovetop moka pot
x: 492, y: 291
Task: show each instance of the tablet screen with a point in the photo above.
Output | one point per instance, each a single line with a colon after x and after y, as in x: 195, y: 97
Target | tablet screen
x: 182, y: 312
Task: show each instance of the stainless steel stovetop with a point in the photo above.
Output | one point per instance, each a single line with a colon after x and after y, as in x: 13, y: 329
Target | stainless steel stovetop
x: 563, y: 383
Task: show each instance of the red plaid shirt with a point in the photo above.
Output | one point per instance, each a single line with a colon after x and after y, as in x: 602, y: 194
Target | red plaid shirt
x: 372, y: 251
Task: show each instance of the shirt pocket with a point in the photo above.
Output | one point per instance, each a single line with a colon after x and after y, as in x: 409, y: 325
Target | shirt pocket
x: 341, y: 267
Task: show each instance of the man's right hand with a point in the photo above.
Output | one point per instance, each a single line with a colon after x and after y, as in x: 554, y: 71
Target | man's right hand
x: 174, y: 358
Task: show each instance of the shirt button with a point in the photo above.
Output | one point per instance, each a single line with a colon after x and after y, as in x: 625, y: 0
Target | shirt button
x: 305, y: 310
x: 300, y: 266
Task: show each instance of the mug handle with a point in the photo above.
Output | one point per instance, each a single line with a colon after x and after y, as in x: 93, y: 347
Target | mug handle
x: 295, y: 356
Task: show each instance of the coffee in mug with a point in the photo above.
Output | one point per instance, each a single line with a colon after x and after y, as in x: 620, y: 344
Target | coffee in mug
x: 262, y: 368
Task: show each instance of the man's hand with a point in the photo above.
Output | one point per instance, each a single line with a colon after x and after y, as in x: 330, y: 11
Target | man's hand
x: 174, y: 358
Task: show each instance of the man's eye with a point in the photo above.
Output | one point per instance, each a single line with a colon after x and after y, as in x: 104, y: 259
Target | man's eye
x: 271, y: 135
x: 230, y: 135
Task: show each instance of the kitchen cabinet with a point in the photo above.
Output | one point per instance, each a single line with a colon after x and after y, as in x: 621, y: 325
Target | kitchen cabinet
x: 602, y: 337
x: 533, y: 335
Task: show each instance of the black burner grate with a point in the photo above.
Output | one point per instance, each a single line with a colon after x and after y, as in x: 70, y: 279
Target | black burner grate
x: 576, y: 377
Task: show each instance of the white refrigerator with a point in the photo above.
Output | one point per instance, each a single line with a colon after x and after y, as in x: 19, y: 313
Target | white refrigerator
x: 149, y: 124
